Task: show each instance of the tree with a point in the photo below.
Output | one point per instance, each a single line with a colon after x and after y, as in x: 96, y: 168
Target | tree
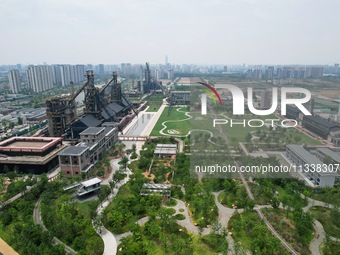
x: 112, y: 184
x: 124, y: 162
x: 216, y: 228
x: 20, y: 121
x: 275, y: 203
x: 133, y: 148
x: 97, y: 223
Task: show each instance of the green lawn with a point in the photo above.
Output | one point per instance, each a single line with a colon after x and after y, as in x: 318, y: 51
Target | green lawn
x: 153, y: 107
x: 175, y: 120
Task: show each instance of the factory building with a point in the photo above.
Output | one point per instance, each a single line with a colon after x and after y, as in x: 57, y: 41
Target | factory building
x: 107, y: 104
x: 304, y: 162
x: 319, y: 126
x: 180, y: 97
x: 94, y: 141
x: 30, y: 154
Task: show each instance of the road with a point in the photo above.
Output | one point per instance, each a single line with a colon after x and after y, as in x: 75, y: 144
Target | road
x: 38, y: 220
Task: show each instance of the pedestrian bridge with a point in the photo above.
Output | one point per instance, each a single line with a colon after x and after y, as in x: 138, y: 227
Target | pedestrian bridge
x: 133, y: 138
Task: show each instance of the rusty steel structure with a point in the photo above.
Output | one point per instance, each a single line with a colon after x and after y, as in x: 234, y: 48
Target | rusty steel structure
x: 61, y: 110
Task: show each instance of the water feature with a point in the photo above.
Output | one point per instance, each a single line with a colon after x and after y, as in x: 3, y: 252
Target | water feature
x: 141, y: 123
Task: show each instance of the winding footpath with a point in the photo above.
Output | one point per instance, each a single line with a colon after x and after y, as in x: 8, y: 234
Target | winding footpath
x: 262, y: 217
x: 320, y: 234
x: 109, y: 239
x: 38, y: 220
x: 224, y: 215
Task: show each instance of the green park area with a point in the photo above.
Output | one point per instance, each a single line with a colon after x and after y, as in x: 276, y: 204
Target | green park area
x: 63, y: 217
x: 329, y: 218
x: 175, y: 120
x: 178, y: 124
x: 154, y: 102
x: 161, y: 233
x: 70, y: 219
x: 250, y: 233
x: 295, y: 227
x: 327, y: 195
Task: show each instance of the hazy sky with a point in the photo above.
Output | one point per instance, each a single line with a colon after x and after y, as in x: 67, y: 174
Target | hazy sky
x: 188, y: 31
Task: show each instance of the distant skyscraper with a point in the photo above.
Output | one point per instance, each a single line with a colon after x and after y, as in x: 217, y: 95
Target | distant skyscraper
x: 158, y: 74
x: 101, y: 68
x: 74, y: 73
x: 14, y: 81
x: 170, y: 74
x: 40, y: 78
x: 166, y: 60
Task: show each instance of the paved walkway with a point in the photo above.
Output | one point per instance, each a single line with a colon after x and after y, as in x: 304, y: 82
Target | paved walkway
x: 114, y: 167
x: 110, y: 242
x: 224, y: 215
x: 14, y: 198
x: 320, y: 235
x: 313, y: 202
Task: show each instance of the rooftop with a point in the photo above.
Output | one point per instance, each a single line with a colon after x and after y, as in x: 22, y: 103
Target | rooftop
x: 29, y: 144
x: 91, y: 182
x: 180, y: 92
x: 320, y: 121
x: 306, y: 156
x: 293, y: 109
x: 92, y: 131
x: 156, y: 186
x: 73, y: 151
x: 161, y: 145
x: 169, y: 149
x: 335, y: 156
x: 90, y: 121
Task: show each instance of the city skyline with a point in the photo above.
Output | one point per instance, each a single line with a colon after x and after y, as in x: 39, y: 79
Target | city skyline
x: 191, y: 32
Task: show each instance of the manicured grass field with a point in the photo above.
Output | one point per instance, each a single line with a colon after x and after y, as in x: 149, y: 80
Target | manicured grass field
x: 153, y: 107
x: 176, y: 120
x: 236, y: 133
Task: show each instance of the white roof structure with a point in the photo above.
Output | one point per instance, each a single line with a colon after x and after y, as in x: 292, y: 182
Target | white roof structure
x: 166, y: 149
x: 156, y: 188
x: 91, y: 182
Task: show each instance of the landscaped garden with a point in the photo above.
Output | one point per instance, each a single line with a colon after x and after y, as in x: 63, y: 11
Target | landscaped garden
x: 329, y: 218
x: 296, y: 227
x: 252, y: 234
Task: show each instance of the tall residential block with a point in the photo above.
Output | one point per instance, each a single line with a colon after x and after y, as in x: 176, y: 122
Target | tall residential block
x: 14, y: 81
x: 40, y: 78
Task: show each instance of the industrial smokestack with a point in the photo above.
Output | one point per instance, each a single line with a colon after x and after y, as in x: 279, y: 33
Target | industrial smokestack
x: 72, y: 88
x: 89, y: 72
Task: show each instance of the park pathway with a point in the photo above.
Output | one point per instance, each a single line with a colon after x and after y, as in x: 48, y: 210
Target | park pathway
x: 109, y: 239
x: 38, y: 220
x: 224, y: 215
x: 262, y: 217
